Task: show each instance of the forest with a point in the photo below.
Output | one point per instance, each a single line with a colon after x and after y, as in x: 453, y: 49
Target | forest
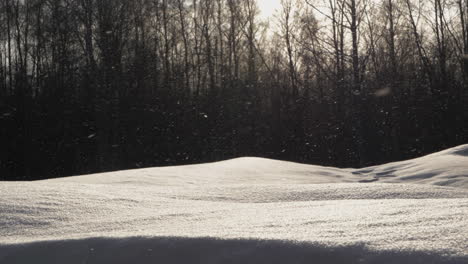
x: 101, y: 85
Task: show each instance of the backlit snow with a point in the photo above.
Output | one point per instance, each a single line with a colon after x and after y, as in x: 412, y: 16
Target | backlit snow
x: 247, y: 210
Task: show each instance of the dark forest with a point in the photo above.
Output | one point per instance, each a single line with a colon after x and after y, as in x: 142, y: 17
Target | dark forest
x: 100, y: 85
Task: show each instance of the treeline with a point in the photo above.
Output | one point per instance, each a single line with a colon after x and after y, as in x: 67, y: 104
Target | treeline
x: 99, y: 85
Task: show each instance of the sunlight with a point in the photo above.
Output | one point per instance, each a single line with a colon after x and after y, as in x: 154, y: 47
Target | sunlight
x: 268, y: 7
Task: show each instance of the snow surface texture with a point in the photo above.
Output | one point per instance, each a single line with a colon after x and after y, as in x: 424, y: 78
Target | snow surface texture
x: 246, y: 210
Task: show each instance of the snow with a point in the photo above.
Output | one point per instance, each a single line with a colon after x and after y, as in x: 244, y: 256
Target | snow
x: 246, y: 210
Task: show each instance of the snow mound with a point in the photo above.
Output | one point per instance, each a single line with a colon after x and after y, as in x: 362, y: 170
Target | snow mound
x: 445, y: 168
x: 246, y: 210
x: 240, y: 170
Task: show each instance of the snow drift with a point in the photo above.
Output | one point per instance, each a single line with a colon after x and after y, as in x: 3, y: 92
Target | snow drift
x: 246, y: 210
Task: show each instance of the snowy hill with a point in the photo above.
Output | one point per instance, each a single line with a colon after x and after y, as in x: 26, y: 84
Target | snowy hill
x: 446, y: 168
x: 246, y: 210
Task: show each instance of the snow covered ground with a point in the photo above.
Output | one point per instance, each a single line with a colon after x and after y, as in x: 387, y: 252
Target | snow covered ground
x: 247, y: 210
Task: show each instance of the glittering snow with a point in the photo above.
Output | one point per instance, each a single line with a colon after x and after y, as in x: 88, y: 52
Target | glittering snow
x: 246, y: 210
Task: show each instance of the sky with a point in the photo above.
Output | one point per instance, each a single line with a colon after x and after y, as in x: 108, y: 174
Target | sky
x: 268, y: 7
